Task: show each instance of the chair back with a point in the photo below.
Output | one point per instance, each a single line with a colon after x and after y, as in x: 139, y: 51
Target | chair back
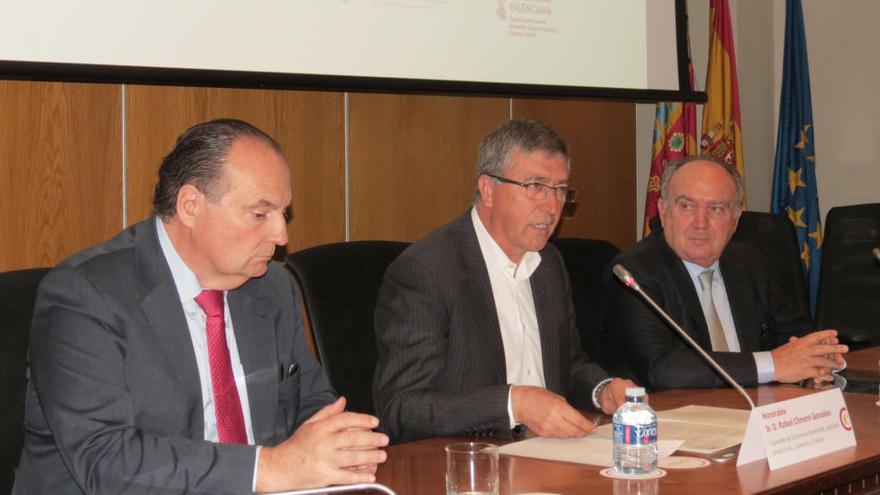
x: 849, y: 280
x: 775, y: 238
x: 17, y: 292
x: 340, y: 284
x: 586, y: 261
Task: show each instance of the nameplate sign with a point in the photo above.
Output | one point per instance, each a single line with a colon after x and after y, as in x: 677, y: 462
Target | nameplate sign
x: 796, y: 430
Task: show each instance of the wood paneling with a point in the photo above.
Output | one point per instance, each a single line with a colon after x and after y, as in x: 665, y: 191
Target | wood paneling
x: 309, y: 126
x: 413, y: 160
x: 60, y: 170
x: 601, y: 140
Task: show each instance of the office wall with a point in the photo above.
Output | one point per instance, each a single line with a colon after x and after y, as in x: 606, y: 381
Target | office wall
x: 844, y: 75
x: 78, y: 161
x: 842, y: 41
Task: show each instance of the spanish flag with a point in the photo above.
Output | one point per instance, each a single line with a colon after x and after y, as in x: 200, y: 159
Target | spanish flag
x: 722, y: 131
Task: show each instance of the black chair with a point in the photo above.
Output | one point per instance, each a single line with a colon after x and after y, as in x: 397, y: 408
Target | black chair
x: 849, y: 281
x: 17, y: 292
x: 586, y: 261
x: 774, y: 237
x: 340, y: 284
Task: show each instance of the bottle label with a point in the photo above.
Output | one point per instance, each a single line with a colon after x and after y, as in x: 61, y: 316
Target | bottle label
x: 635, y: 434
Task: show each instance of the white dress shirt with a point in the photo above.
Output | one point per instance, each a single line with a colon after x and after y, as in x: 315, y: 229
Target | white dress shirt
x: 512, y: 292
x: 763, y: 360
x: 188, y: 288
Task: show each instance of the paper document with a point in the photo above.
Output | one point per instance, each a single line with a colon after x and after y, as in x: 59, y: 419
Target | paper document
x: 593, y: 449
x: 704, y: 429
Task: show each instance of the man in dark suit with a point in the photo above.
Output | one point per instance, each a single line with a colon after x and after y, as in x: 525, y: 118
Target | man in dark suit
x: 171, y: 358
x: 721, y: 292
x: 474, y: 323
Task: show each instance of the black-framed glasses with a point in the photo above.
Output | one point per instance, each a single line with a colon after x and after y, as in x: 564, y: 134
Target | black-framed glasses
x: 537, y: 190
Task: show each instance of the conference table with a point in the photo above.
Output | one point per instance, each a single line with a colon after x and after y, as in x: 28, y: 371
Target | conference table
x: 863, y: 370
x: 418, y: 467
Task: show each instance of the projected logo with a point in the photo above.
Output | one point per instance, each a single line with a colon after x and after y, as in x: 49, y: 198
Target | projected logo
x: 527, y: 18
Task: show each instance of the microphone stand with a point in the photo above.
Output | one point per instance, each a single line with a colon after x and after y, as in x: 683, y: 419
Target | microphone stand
x: 626, y: 277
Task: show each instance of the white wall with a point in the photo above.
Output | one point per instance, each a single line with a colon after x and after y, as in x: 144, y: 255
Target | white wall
x: 842, y: 43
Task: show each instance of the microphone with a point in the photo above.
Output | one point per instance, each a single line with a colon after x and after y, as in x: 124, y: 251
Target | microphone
x: 628, y: 280
x: 876, y: 252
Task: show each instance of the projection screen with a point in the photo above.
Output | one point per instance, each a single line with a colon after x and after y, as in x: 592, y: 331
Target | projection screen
x: 629, y: 49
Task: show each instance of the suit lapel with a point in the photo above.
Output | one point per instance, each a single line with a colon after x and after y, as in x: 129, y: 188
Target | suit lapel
x: 695, y: 325
x: 539, y: 282
x: 740, y: 300
x: 255, y: 339
x: 162, y: 309
x: 478, y: 293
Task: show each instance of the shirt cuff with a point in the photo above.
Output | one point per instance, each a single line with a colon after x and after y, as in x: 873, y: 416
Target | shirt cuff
x: 256, y: 468
x: 597, y: 390
x: 510, y: 408
x: 765, y: 366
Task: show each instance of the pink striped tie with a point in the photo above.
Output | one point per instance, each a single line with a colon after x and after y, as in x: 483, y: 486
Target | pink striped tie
x: 227, y: 405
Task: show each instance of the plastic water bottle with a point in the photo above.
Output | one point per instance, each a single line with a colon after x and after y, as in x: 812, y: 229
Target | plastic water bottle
x: 635, y: 435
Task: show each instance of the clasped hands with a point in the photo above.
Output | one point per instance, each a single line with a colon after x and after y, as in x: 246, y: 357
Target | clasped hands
x: 813, y: 356
x: 333, y: 447
x: 547, y: 414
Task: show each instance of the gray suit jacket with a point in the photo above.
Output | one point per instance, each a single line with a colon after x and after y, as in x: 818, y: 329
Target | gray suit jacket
x: 441, y: 368
x: 114, y: 403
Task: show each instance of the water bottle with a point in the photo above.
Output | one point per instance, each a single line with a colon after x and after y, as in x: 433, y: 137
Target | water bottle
x: 635, y: 435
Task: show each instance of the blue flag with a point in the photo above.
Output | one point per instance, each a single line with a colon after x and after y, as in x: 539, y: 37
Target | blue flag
x: 794, y: 176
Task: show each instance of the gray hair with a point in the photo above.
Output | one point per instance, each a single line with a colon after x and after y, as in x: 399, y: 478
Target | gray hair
x: 673, y: 167
x: 528, y: 136
x: 198, y: 158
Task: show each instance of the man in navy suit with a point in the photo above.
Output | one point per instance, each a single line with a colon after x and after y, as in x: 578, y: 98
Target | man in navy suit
x: 721, y: 292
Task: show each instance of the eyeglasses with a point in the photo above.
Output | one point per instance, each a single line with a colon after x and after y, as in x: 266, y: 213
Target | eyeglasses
x: 537, y: 190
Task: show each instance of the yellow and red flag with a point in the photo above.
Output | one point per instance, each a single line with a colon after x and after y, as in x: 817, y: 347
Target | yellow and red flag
x: 722, y: 125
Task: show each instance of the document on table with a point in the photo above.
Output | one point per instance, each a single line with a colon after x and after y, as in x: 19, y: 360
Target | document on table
x: 693, y: 429
x: 704, y: 429
x: 592, y: 449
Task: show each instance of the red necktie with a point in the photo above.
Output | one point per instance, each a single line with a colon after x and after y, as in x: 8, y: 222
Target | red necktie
x: 227, y: 405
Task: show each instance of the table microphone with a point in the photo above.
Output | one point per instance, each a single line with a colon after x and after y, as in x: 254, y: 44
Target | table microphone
x: 628, y: 280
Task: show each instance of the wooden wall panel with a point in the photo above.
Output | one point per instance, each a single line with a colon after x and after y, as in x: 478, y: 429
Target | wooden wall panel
x: 60, y: 170
x: 413, y: 160
x: 601, y: 140
x: 308, y: 125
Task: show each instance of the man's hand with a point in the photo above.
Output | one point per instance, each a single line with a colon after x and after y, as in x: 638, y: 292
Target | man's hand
x: 332, y: 447
x: 614, y: 394
x: 547, y: 414
x: 812, y: 356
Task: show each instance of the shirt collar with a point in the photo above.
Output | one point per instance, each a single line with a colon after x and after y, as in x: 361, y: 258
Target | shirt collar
x: 497, y: 261
x: 694, y: 270
x: 185, y: 280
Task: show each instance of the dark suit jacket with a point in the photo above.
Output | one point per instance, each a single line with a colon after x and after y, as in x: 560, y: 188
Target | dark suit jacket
x: 763, y: 314
x: 114, y: 403
x: 441, y: 368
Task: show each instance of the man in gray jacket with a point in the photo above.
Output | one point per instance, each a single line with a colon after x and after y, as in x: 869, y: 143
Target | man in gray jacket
x: 172, y: 359
x: 475, y: 324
